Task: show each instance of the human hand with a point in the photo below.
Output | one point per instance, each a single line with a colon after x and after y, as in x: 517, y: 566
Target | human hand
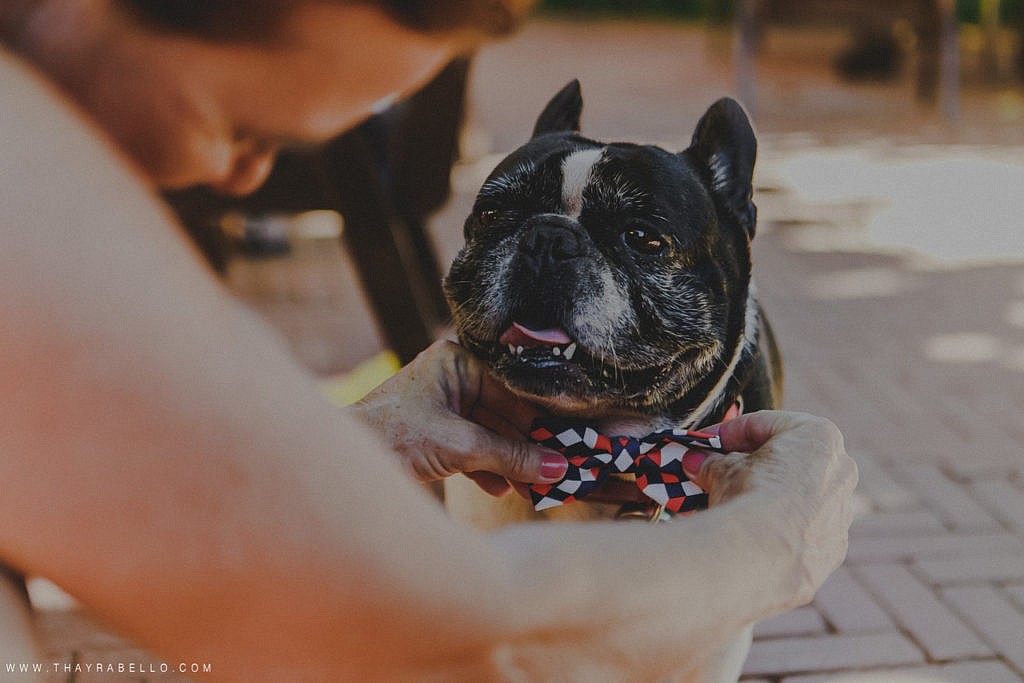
x: 444, y: 414
x: 797, y: 467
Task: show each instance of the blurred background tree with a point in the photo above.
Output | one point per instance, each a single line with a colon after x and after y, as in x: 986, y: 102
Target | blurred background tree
x: 969, y: 11
x: 680, y: 9
x: 982, y: 18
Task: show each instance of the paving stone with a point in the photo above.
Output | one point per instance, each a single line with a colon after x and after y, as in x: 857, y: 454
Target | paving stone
x: 916, y: 609
x: 980, y: 568
x: 957, y: 672
x: 992, y: 615
x: 802, y: 621
x: 848, y: 607
x: 885, y: 493
x: 829, y: 653
x: 1016, y: 593
x: 988, y: 460
x: 914, y: 522
x: 991, y: 448
x: 1004, y: 499
x: 950, y: 501
x: 891, y: 549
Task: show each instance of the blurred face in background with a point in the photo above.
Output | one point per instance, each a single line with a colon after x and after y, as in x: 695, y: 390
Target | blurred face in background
x: 203, y: 109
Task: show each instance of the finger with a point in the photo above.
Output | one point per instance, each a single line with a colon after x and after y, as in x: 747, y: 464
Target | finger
x: 497, y: 423
x: 706, y: 468
x: 749, y: 432
x: 513, y: 459
x: 492, y: 484
x: 462, y: 373
x: 722, y: 475
x: 692, y: 462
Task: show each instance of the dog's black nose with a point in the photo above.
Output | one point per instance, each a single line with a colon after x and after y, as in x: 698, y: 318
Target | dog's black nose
x: 550, y: 243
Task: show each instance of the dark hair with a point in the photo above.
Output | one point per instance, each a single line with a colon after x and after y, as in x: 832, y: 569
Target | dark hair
x: 255, y: 19
x: 216, y: 19
x: 490, y: 17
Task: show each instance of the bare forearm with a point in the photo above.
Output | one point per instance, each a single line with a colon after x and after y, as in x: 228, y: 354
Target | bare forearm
x: 203, y: 524
x: 166, y: 461
x: 631, y: 598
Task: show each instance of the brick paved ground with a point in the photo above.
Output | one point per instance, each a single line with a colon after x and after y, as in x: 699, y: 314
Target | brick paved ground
x: 920, y: 361
x: 921, y: 367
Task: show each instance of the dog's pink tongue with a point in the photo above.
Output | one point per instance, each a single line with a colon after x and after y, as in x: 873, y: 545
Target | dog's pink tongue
x: 518, y: 335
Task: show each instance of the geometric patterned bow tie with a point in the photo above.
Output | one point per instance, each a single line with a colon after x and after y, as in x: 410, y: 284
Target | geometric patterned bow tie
x: 655, y: 460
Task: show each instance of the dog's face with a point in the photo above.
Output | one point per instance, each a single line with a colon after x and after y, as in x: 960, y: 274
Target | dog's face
x: 609, y: 277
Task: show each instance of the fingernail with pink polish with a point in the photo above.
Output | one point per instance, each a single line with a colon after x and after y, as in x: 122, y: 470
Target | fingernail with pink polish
x: 553, y: 466
x: 692, y: 460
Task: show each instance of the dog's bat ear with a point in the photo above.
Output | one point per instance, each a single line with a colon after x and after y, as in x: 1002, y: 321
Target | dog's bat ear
x: 725, y: 144
x: 562, y: 113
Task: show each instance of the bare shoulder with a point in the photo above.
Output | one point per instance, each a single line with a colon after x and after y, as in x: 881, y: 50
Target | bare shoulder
x: 40, y: 124
x: 85, y: 242
x: 67, y: 195
x: 56, y: 164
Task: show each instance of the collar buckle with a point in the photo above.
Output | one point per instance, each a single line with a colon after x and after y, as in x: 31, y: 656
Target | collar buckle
x: 641, y: 512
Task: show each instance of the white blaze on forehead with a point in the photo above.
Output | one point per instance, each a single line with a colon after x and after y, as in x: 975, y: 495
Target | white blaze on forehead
x: 576, y: 171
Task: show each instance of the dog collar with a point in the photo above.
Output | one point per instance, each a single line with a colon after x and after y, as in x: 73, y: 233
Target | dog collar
x: 660, y: 487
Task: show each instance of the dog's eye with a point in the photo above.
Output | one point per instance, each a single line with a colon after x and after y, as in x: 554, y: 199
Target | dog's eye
x: 487, y: 217
x: 643, y: 241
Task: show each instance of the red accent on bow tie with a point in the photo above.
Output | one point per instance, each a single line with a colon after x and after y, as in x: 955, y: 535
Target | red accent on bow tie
x: 656, y: 461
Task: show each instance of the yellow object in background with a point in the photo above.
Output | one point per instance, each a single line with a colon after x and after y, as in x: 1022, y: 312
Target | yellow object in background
x: 348, y: 388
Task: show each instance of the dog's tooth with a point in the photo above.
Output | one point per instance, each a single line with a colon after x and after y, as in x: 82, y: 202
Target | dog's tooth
x: 555, y: 351
x: 512, y: 349
x: 569, y: 351
x: 519, y: 350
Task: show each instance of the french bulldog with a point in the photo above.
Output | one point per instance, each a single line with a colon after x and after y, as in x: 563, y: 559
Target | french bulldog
x: 611, y: 282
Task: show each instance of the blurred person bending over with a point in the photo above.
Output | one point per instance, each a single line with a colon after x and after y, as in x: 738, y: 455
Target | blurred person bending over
x: 166, y: 461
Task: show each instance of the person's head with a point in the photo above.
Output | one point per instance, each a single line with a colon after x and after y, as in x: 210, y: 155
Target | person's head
x: 206, y: 92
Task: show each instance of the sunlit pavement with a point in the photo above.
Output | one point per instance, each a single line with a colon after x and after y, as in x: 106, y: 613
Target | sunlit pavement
x: 890, y: 258
x: 902, y: 319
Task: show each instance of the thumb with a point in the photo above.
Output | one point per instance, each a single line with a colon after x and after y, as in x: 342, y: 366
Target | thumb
x: 722, y: 475
x: 514, y: 459
x: 693, y: 462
